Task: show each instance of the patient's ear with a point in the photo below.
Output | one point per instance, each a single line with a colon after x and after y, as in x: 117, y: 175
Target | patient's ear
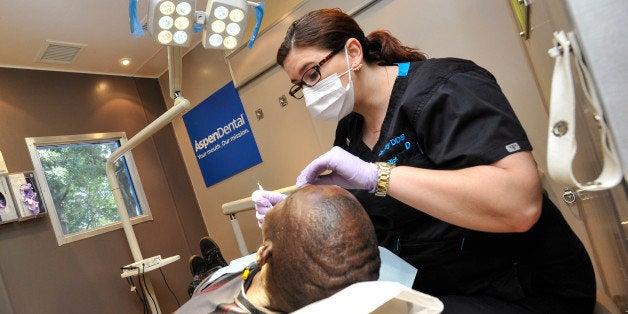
x: 264, y: 252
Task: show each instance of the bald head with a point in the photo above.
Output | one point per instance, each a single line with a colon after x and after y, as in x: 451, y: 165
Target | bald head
x: 322, y: 241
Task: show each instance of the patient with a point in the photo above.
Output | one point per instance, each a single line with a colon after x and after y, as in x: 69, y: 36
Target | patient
x: 316, y: 242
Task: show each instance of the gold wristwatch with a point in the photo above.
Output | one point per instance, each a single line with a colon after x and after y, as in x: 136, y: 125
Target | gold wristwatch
x: 383, y: 178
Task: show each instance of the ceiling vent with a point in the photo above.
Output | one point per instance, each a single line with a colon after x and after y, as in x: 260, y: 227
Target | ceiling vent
x: 59, y: 52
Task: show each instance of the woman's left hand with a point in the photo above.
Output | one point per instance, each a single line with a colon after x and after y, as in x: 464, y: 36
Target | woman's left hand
x: 264, y: 202
x: 348, y: 171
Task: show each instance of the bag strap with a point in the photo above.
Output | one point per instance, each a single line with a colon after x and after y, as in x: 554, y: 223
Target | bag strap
x: 562, y: 145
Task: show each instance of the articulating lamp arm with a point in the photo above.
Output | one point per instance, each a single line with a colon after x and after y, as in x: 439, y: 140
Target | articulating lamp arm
x: 180, y: 105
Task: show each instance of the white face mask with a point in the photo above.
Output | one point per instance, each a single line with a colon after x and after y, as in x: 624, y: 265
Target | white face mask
x: 328, y: 99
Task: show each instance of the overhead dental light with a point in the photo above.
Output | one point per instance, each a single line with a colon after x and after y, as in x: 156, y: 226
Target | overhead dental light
x: 226, y: 21
x: 171, y: 22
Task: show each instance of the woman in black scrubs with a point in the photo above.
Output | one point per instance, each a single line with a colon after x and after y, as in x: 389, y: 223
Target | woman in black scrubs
x: 436, y: 155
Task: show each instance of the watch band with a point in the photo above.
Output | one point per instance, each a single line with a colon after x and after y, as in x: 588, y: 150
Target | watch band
x: 383, y: 178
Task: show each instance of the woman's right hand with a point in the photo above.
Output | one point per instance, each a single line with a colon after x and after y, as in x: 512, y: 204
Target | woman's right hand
x: 348, y: 171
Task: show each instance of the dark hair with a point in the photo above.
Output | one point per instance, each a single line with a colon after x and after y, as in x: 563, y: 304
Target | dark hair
x: 329, y: 29
x: 322, y: 242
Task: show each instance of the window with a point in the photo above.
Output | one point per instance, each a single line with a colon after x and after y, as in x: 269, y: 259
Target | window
x: 71, y: 173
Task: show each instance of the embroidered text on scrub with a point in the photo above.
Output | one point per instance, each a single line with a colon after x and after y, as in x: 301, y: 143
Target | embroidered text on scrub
x: 394, y: 142
x: 399, y: 139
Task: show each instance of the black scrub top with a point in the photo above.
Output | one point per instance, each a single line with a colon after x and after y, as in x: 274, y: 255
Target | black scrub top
x: 451, y: 114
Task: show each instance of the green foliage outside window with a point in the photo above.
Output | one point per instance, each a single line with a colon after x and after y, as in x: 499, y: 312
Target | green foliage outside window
x: 78, y: 184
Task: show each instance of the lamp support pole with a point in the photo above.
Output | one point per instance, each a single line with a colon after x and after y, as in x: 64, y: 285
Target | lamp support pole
x: 180, y: 105
x: 175, y: 71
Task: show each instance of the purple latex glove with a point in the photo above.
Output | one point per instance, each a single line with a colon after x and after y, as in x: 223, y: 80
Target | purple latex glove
x: 264, y: 201
x: 348, y: 171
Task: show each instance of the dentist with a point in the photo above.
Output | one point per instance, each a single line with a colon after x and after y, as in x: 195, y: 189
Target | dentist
x: 437, y: 157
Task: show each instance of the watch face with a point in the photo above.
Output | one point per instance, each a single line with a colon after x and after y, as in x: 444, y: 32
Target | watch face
x: 166, y: 8
x: 230, y: 42
x: 182, y: 22
x: 236, y: 15
x: 221, y: 12
x: 184, y: 8
x: 233, y: 29
x: 180, y: 37
x: 165, y: 22
x: 215, y: 40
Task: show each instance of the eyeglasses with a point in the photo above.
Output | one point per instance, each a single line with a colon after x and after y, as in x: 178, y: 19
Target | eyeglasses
x: 311, y: 76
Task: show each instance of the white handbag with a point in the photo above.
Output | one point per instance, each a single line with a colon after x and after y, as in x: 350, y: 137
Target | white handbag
x: 561, y: 145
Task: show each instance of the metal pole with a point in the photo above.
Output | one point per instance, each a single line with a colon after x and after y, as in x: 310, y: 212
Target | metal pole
x: 244, y: 251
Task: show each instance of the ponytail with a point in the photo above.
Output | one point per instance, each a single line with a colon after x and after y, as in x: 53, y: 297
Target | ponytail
x: 384, y: 49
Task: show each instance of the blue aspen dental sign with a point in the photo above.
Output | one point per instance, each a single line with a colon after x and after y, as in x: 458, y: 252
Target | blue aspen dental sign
x: 221, y: 136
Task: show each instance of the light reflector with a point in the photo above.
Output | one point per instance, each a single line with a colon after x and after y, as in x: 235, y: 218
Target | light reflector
x: 165, y: 22
x: 184, y: 8
x: 182, y: 23
x: 236, y: 15
x: 233, y: 29
x: 166, y: 8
